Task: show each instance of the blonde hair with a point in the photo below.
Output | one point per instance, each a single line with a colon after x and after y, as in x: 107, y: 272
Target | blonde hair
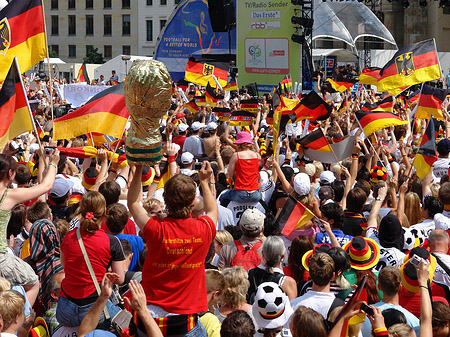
x: 236, y: 287
x: 307, y: 199
x: 223, y: 236
x: 413, y: 210
x: 319, y: 168
x: 92, y: 202
x: 400, y: 330
x: 4, y: 284
x: 214, y: 281
x: 12, y: 304
x: 150, y: 203
x: 434, y: 187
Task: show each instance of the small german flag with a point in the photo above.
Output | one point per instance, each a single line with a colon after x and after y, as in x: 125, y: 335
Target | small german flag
x: 269, y: 118
x: 316, y: 140
x: 430, y: 102
x: 201, y: 73
x: 312, y: 107
x: 373, y: 121
x: 16, y: 118
x: 192, y: 106
x: 200, y: 100
x: 222, y: 113
x: 369, y: 75
x: 426, y: 155
x: 344, y: 106
x: 211, y: 96
x: 183, y: 84
x: 83, y: 75
x: 231, y: 86
x: 250, y: 105
x: 22, y: 35
x: 342, y: 85
x: 386, y: 105
x: 241, y: 118
x: 294, y: 215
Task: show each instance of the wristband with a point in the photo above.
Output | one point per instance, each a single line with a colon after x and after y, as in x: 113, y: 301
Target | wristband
x: 171, y: 159
x: 287, y: 161
x: 390, y: 159
x: 113, y: 170
x: 423, y: 287
x: 218, y: 157
x: 51, y: 164
x: 381, y: 331
x: 156, y: 179
x: 355, y: 156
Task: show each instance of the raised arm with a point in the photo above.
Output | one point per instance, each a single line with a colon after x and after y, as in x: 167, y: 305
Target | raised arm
x: 426, y: 328
x: 401, y: 201
x: 206, y: 176
x: 133, y: 199
x: 376, y: 205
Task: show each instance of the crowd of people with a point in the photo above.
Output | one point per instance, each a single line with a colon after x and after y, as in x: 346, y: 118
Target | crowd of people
x: 193, y: 246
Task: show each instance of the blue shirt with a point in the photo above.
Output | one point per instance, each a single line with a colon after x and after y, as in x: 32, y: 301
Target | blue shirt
x: 137, y: 246
x: 340, y: 236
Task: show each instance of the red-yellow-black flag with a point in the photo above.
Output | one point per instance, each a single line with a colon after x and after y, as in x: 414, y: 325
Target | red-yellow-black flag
x: 211, y: 96
x: 294, y: 215
x: 16, y: 118
x: 192, y: 106
x: 342, y: 85
x: 241, y: 118
x: 83, y: 75
x: 232, y: 86
x: 430, y: 102
x: 201, y: 74
x: 316, y: 140
x: 412, y: 64
x: 426, y: 155
x: 312, y: 107
x: 222, y: 113
x: 369, y: 75
x: 22, y: 35
x: 104, y: 113
x: 373, y: 121
x: 250, y: 105
x: 385, y: 105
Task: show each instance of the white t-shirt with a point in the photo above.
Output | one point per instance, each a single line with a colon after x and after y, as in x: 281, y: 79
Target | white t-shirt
x: 225, y: 218
x: 239, y: 207
x: 388, y: 256
x: 440, y: 167
x: 440, y: 276
x: 320, y: 302
x: 194, y: 145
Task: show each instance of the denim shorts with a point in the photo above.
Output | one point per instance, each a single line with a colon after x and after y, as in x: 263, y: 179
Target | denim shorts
x: 70, y: 314
x: 197, y: 331
x: 241, y: 196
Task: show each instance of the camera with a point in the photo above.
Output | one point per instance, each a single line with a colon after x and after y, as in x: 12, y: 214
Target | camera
x: 415, y: 260
x: 368, y: 310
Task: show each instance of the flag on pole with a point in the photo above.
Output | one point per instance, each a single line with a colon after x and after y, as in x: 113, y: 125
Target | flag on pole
x: 342, y: 85
x: 22, y: 35
x: 232, y: 86
x: 200, y: 73
x: 191, y: 106
x: 430, y: 102
x: 16, y: 118
x: 294, y: 215
x: 83, y: 75
x: 104, y: 113
x: 373, y: 121
x: 369, y: 75
x: 211, y: 96
x: 316, y: 140
x: 241, y: 118
x: 312, y: 107
x: 386, y: 105
x: 341, y: 150
x: 426, y: 155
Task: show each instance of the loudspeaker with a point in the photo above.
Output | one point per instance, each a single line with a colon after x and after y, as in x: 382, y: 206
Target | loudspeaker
x: 222, y: 15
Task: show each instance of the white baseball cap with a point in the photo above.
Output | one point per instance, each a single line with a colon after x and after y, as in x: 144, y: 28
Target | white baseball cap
x: 187, y: 158
x: 302, y: 185
x: 211, y: 126
x: 182, y: 127
x: 197, y: 126
x: 326, y: 177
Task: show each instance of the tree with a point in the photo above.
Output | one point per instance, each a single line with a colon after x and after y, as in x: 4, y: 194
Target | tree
x: 52, y: 53
x: 94, y: 57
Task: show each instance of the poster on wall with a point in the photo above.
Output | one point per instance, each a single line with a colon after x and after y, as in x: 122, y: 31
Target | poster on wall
x: 265, y: 51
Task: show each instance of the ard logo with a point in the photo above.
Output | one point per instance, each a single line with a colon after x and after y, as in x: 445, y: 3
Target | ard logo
x: 5, y: 36
x: 208, y: 69
x: 405, y: 64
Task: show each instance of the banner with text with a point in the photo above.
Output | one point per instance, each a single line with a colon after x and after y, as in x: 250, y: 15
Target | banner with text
x: 78, y: 93
x: 265, y: 51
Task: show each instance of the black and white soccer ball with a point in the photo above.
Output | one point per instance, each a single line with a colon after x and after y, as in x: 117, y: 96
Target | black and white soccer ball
x: 270, y: 299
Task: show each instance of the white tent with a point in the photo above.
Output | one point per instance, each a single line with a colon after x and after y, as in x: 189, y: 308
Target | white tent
x: 118, y: 64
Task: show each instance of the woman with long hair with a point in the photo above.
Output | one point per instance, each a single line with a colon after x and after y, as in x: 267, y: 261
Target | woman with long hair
x: 78, y: 292
x: 413, y: 209
x: 299, y: 246
x: 12, y: 268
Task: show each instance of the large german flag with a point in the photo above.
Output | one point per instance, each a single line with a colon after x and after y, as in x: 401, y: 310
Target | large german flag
x: 369, y: 75
x: 410, y: 65
x: 342, y: 85
x: 104, y: 113
x: 316, y: 140
x: 200, y: 73
x: 16, y: 118
x: 191, y: 106
x: 385, y: 105
x: 312, y: 107
x: 294, y: 215
x: 430, y: 102
x: 426, y: 155
x: 241, y: 118
x: 83, y: 74
x: 22, y: 34
x: 373, y: 121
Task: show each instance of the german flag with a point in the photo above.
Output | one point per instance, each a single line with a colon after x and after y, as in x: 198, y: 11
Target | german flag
x: 200, y: 100
x: 200, y: 73
x: 269, y: 118
x: 283, y: 106
x: 182, y: 84
x: 114, y: 82
x: 313, y: 107
x: 241, y: 118
x: 79, y: 152
x: 342, y: 85
x: 191, y: 106
x: 22, y: 34
x: 410, y: 65
x: 344, y: 106
x: 231, y: 86
x: 16, y: 118
x: 83, y: 75
x: 373, y: 121
x: 369, y: 75
x: 104, y: 113
x: 250, y: 105
x: 426, y: 155
x: 430, y: 102
x: 294, y: 215
x: 222, y: 113
x: 316, y: 140
x: 211, y: 96
x: 386, y: 105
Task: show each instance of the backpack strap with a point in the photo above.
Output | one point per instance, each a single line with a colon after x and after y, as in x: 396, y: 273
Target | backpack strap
x: 239, y: 245
x: 256, y: 246
x: 442, y: 264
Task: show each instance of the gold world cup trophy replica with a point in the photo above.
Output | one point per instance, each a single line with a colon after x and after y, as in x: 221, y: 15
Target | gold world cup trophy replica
x: 148, y: 91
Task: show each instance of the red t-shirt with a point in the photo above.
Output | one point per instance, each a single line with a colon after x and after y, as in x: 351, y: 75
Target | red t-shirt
x: 247, y: 174
x: 101, y: 247
x: 130, y: 227
x: 173, y: 276
x: 411, y: 301
x: 179, y: 140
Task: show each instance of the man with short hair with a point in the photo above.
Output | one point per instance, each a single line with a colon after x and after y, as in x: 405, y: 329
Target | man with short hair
x: 193, y: 143
x: 251, y: 224
x: 209, y: 144
x: 187, y: 163
x: 334, y: 215
x: 319, y: 298
x: 389, y: 281
x: 438, y: 243
x: 58, y: 197
x: 441, y: 166
x: 181, y: 138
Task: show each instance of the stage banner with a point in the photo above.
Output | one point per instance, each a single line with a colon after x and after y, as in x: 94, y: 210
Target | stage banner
x: 265, y: 51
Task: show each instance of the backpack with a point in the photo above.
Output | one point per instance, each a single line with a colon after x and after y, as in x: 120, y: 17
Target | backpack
x: 246, y: 257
